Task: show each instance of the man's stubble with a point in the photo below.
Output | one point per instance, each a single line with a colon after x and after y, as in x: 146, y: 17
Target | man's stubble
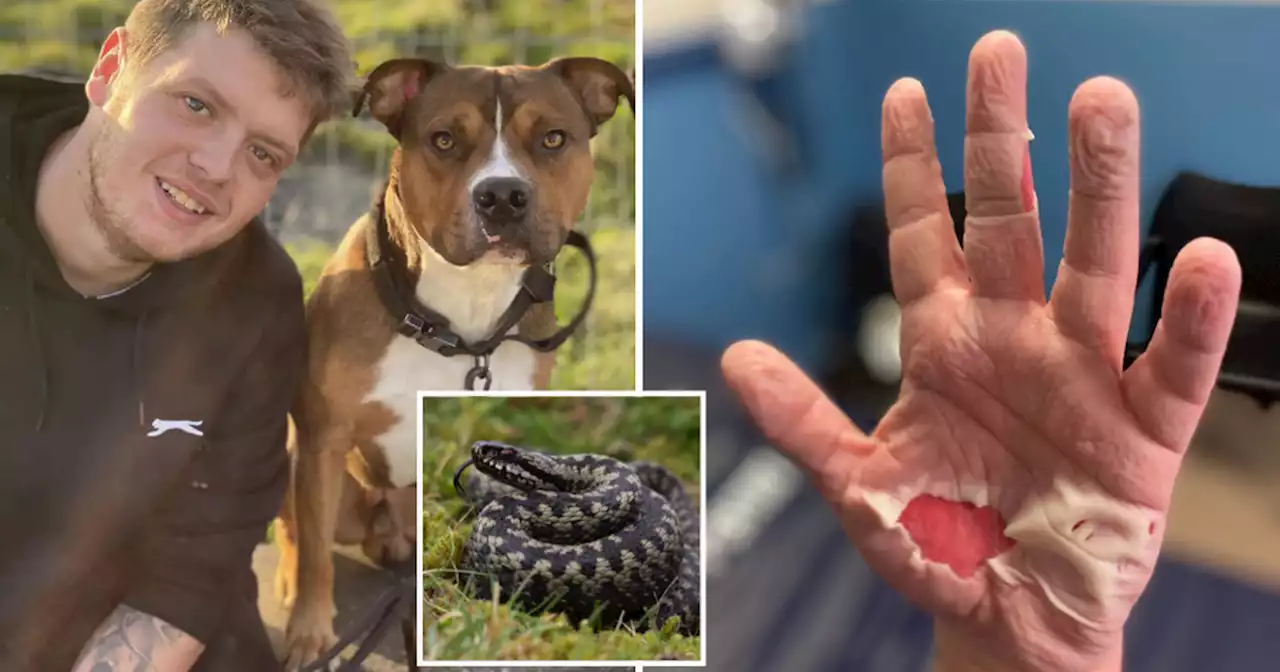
x: 113, y: 226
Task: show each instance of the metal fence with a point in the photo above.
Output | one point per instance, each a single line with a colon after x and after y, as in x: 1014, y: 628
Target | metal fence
x: 335, y: 179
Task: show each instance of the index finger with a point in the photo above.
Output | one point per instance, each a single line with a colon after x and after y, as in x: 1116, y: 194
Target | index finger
x: 924, y: 252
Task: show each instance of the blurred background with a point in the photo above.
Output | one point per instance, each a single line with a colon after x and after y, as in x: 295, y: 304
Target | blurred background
x: 335, y: 180
x: 763, y: 219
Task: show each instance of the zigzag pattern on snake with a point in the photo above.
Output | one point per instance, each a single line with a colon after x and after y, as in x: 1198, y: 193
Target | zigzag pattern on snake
x: 584, y: 535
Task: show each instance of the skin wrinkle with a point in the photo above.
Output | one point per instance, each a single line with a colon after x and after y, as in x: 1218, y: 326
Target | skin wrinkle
x: 1160, y: 376
x: 989, y: 107
x: 1100, y: 273
x: 1144, y: 422
x: 1024, y: 425
x: 910, y: 156
x: 814, y: 405
x: 1007, y: 263
x: 1018, y: 134
x: 1199, y: 293
x: 904, y: 163
x: 1095, y: 331
x: 944, y: 285
x: 1093, y: 249
x: 1101, y: 161
x: 925, y: 388
x: 1095, y: 449
x: 973, y: 458
x: 906, y: 118
x: 993, y: 171
x: 1175, y: 392
x: 915, y: 216
x: 834, y: 455
x: 984, y: 202
x: 1100, y: 197
x: 993, y: 209
x: 992, y: 221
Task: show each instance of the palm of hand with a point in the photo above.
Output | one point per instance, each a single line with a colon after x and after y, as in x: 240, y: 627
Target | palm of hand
x: 1018, y: 487
x: 999, y: 409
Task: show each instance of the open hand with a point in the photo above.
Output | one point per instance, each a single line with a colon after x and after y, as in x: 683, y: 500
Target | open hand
x: 1018, y: 488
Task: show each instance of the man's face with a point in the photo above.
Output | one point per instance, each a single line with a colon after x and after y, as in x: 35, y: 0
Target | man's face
x: 190, y: 146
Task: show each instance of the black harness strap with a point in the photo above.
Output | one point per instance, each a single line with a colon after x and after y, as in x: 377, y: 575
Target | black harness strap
x: 431, y: 330
x: 397, y: 603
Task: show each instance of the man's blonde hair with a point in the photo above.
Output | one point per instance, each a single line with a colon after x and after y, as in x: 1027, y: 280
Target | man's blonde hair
x: 301, y: 36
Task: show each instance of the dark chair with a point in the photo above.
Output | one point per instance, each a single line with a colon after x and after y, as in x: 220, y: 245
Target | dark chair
x: 1248, y: 219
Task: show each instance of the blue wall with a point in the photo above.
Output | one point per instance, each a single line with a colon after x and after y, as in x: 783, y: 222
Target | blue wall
x: 731, y: 251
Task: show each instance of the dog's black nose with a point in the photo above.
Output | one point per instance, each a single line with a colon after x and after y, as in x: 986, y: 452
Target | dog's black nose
x: 501, y: 200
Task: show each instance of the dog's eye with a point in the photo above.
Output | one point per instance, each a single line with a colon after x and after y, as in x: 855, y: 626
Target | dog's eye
x: 442, y: 141
x: 553, y: 140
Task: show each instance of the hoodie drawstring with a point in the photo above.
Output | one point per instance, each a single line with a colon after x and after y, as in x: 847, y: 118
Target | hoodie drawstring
x: 42, y: 369
x: 137, y: 368
x: 34, y: 324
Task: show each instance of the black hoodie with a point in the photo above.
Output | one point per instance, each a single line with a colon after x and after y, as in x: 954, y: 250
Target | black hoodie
x: 142, y: 435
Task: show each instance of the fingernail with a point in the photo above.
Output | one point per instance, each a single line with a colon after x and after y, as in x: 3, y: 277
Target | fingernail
x: 1028, y: 184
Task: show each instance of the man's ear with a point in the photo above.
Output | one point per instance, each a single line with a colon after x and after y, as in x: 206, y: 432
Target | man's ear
x: 391, y: 86
x: 111, y: 60
x: 597, y: 83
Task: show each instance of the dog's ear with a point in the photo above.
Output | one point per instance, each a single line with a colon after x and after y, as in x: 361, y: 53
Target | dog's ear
x: 391, y: 86
x: 597, y: 83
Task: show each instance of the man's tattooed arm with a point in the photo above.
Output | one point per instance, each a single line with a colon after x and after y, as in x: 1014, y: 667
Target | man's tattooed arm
x: 131, y: 641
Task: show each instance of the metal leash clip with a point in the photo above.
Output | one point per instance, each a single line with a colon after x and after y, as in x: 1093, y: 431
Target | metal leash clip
x: 479, y: 371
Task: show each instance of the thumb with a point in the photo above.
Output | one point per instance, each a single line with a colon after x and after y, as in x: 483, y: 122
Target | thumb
x: 794, y: 414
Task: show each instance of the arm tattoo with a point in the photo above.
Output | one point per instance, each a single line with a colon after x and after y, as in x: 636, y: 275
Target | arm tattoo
x: 131, y: 641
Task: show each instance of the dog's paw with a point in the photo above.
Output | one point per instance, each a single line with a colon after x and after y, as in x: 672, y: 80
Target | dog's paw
x: 307, y: 638
x: 399, y: 549
x: 286, y: 585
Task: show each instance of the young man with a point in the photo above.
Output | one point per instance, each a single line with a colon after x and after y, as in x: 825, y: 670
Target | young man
x: 151, y: 334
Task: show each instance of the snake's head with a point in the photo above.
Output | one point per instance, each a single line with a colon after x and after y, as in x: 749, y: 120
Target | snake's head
x: 517, y: 467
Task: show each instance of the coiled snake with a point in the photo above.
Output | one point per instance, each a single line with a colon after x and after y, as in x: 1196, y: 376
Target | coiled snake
x: 586, y: 535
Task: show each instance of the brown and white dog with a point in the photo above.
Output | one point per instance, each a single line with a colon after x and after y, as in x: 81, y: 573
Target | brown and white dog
x: 492, y: 170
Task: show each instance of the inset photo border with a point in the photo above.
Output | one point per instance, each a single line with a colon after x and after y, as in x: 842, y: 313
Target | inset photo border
x: 555, y: 526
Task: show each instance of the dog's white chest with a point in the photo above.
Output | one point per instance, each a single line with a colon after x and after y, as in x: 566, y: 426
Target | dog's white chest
x: 473, y: 299
x: 408, y: 368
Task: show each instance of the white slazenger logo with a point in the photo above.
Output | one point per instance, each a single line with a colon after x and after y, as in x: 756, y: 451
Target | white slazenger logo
x: 191, y: 427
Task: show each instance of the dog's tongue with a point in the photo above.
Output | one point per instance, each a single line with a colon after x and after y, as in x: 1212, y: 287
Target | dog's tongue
x: 490, y: 237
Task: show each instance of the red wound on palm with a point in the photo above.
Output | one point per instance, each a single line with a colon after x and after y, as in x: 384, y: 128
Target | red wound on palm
x: 960, y: 535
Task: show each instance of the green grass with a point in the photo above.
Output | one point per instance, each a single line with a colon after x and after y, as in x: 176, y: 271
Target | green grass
x: 602, y: 354
x: 662, y: 429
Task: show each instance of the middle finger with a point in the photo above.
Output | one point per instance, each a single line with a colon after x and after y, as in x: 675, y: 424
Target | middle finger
x: 1002, y: 230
